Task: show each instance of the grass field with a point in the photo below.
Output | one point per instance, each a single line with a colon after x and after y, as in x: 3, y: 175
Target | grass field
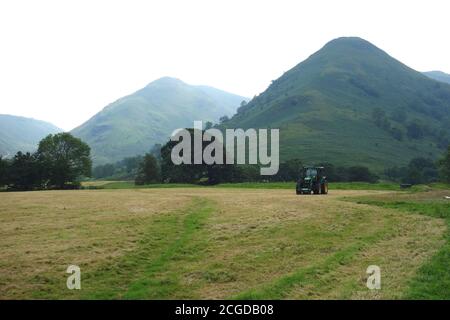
x: 264, y: 185
x: 224, y: 242
x: 433, y: 278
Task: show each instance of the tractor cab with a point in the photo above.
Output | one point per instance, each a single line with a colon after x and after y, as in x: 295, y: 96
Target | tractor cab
x: 312, y: 180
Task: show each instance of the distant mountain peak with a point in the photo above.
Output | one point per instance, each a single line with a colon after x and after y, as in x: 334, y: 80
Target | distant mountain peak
x: 166, y: 81
x: 438, y: 75
x: 22, y: 134
x: 351, y: 44
x: 349, y: 40
x: 436, y: 72
x: 324, y: 108
x: 132, y: 124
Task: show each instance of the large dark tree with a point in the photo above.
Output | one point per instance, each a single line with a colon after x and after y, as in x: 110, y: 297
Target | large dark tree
x: 361, y: 173
x: 288, y: 171
x: 24, y: 172
x: 421, y: 170
x: 3, y: 171
x: 149, y: 171
x: 183, y: 173
x: 65, y: 159
x: 195, y: 173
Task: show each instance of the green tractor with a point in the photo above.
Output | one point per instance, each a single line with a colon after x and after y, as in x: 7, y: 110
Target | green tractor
x: 312, y: 179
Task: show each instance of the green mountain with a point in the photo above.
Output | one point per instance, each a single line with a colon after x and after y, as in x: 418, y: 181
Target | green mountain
x: 22, y: 134
x: 438, y: 75
x: 351, y: 103
x: 133, y: 124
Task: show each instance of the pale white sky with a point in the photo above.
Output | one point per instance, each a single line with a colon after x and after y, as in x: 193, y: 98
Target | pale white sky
x: 63, y: 61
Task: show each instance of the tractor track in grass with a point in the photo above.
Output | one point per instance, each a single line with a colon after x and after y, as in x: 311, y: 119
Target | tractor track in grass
x: 432, y: 280
x: 282, y: 286
x: 146, y: 264
x: 215, y: 243
x: 149, y: 287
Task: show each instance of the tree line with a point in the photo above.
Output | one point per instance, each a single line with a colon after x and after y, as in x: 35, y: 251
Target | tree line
x: 158, y: 168
x: 60, y: 162
x: 125, y: 169
x: 422, y: 170
x: 164, y: 171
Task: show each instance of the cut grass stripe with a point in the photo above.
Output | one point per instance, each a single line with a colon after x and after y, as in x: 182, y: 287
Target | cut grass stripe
x: 432, y: 280
x: 137, y: 274
x: 150, y: 287
x: 282, y: 286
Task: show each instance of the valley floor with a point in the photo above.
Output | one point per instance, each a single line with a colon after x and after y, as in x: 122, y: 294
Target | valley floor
x: 223, y: 243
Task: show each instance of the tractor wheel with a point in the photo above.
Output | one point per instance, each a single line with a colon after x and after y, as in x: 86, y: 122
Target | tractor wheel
x: 297, y: 192
x: 324, y: 188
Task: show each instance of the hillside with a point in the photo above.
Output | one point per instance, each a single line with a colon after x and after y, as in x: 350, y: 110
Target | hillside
x: 133, y: 124
x: 438, y: 75
x: 22, y: 134
x: 351, y: 103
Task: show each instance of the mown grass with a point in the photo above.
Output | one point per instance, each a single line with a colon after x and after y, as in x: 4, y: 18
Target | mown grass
x: 131, y: 185
x: 216, y: 243
x: 148, y: 285
x: 280, y: 288
x: 389, y: 186
x: 141, y: 273
x: 433, y: 279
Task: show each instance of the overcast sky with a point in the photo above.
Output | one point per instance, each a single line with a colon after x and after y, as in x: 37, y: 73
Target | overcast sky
x: 63, y: 61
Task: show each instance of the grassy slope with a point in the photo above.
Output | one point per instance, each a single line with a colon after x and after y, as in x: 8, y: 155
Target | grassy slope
x: 132, y: 124
x: 22, y: 134
x: 439, y: 76
x: 324, y: 106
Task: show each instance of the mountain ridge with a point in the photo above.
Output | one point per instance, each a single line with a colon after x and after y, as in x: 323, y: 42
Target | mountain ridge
x: 324, y: 107
x: 134, y: 123
x: 19, y: 133
x: 438, y: 75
